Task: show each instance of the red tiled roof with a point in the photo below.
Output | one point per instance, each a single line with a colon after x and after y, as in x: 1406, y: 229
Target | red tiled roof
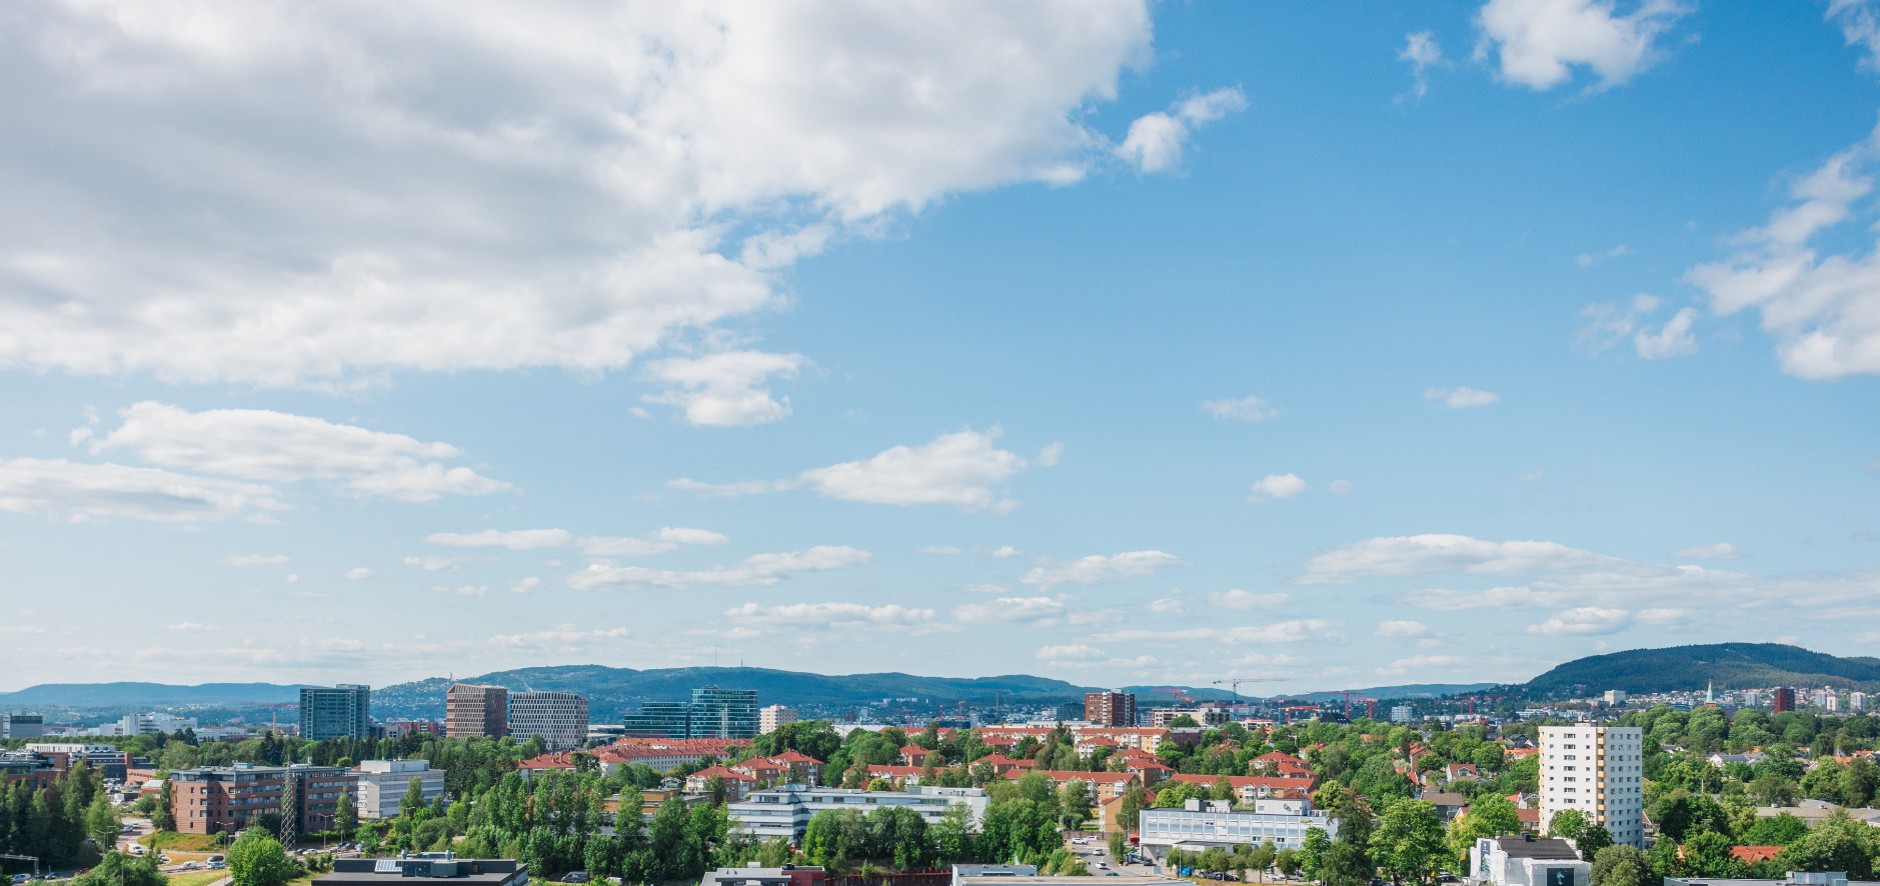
x: 721, y: 772
x: 795, y: 756
x: 1062, y: 776
x: 894, y: 771
x: 913, y: 750
x: 1756, y: 853
x: 547, y: 761
x: 1271, y: 783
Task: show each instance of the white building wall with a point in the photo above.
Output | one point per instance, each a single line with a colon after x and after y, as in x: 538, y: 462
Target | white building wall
x: 1598, y: 770
x: 384, y: 783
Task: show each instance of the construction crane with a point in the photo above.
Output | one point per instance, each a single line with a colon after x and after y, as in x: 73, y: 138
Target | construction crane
x: 1297, y: 707
x: 1180, y: 694
x: 1233, y: 684
x: 1370, y: 707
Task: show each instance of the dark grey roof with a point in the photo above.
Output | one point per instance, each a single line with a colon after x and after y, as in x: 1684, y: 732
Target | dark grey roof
x: 1442, y: 798
x: 1520, y: 847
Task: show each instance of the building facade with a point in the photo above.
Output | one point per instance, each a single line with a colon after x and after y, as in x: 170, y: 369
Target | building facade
x: 1402, y: 713
x: 560, y: 718
x: 212, y: 800
x: 1598, y: 770
x: 383, y: 785
x: 471, y: 710
x: 22, y: 725
x: 1783, y: 699
x: 1525, y: 861
x: 724, y: 713
x: 1112, y: 708
x: 344, y: 711
x: 773, y: 716
x: 659, y: 719
x: 786, y: 811
x: 1214, y: 824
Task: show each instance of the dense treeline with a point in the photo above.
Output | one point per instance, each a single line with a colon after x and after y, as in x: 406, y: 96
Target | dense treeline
x: 51, y: 823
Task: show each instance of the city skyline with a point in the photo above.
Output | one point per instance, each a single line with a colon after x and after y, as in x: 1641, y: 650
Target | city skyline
x: 1115, y: 343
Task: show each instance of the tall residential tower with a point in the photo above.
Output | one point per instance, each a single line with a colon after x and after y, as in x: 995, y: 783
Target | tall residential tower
x: 1598, y: 770
x: 344, y: 711
x: 470, y: 711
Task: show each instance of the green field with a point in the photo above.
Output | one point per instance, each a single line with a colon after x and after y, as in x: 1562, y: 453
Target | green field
x: 181, y: 842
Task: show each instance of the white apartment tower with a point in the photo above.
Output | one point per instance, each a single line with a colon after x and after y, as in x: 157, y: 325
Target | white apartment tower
x: 773, y: 716
x: 1598, y: 770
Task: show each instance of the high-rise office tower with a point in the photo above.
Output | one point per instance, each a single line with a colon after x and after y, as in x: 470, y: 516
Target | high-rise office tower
x: 344, y: 711
x: 471, y: 710
x: 560, y: 718
x: 724, y: 713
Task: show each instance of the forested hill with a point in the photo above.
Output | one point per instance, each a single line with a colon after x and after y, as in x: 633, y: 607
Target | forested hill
x: 1727, y: 665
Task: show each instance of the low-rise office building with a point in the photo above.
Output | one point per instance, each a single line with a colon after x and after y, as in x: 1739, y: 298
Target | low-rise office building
x: 401, y: 871
x: 785, y: 811
x: 1215, y: 824
x: 1526, y: 861
x: 383, y: 785
x: 211, y: 800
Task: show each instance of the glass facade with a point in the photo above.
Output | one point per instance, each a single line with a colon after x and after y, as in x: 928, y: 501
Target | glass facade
x: 344, y: 711
x: 660, y: 719
x: 724, y: 713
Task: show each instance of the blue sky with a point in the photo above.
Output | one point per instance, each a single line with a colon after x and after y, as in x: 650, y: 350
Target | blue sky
x: 1111, y: 342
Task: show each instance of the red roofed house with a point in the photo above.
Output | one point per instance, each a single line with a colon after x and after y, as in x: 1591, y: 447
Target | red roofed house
x: 1753, y: 854
x: 737, y: 784
x: 803, y: 768
x: 904, y: 776
x: 765, y: 773
x: 1254, y: 787
x: 544, y: 763
x: 1461, y: 770
x: 1001, y: 764
x: 1102, y: 785
x: 915, y: 755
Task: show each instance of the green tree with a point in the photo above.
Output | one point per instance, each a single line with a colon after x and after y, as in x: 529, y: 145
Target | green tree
x: 953, y: 835
x: 1408, y: 841
x: 101, y: 822
x: 1594, y: 838
x: 119, y: 869
x: 1622, y: 866
x: 1129, y: 808
x: 1567, y: 824
x: 1780, y: 829
x: 1347, y: 862
x: 257, y: 859
x: 1838, y: 844
x: 345, y: 816
x: 163, y: 818
x: 412, y: 805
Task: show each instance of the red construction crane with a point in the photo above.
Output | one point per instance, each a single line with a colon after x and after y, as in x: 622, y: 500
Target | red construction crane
x: 1370, y: 707
x: 1297, y: 707
x: 1180, y: 694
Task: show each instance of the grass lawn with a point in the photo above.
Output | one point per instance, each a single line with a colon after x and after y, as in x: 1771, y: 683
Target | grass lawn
x: 181, y: 842
x: 196, y: 878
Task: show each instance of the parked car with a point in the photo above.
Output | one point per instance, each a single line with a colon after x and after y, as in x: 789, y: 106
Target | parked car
x: 575, y: 877
x: 215, y: 858
x: 191, y: 865
x: 21, y: 878
x: 217, y: 865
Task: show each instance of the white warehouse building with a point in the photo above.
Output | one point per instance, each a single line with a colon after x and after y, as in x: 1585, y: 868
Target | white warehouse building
x: 384, y: 783
x: 1214, y: 824
x: 1598, y: 770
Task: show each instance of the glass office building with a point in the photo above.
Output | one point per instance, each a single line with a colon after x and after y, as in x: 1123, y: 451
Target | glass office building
x: 712, y: 713
x: 344, y: 711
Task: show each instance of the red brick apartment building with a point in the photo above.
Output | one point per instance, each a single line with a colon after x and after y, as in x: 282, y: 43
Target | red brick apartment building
x: 212, y: 800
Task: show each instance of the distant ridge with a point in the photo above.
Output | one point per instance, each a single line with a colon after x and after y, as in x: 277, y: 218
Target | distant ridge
x: 1728, y: 665
x: 86, y: 695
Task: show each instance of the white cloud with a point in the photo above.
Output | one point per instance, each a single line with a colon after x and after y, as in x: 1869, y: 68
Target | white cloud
x: 1154, y: 142
x: 723, y: 490
x: 432, y: 564
x: 755, y: 570
x: 1235, y: 598
x: 463, y: 590
x: 358, y: 573
x: 1419, y: 663
x: 833, y: 616
x: 79, y: 491
x: 1340, y: 487
x: 515, y: 539
x: 1298, y: 630
x: 1585, y: 621
x: 1073, y: 653
x: 254, y: 559
x: 941, y: 550
x: 1011, y: 610
x: 1275, y: 486
x: 1433, y: 553
x: 1168, y: 606
x: 1822, y: 310
x: 191, y: 627
x: 1004, y: 551
x: 1460, y: 398
x: 500, y: 187
x: 1444, y: 600
x: 1860, y: 26
x: 1612, y: 323
x: 685, y: 535
x: 1099, y: 569
x: 1422, y: 51
x: 560, y: 637
x: 525, y: 585
x: 1049, y: 455
x: 1537, y: 41
x: 1719, y: 551
x: 1402, y: 628
x: 1248, y: 408
x: 1589, y: 259
x: 726, y: 389
x: 277, y: 447
x: 960, y: 469
x: 1669, y: 616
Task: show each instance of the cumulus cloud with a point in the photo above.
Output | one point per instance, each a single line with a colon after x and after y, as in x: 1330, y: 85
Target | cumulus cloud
x: 254, y: 559
x: 463, y: 590
x: 191, y: 627
x: 1235, y: 598
x: 1402, y: 628
x: 1154, y: 142
x: 1011, y: 610
x: 1537, y: 43
x: 358, y: 573
x: 1100, y: 569
x: 832, y: 616
x: 515, y: 539
x: 1445, y: 600
x: 1072, y: 653
x: 1822, y: 309
x: 525, y: 585
x: 561, y: 637
x: 1403, y: 666
x: 1248, y: 408
x: 278, y: 447
x: 497, y: 188
x: 1722, y: 550
x: 1298, y: 630
x: 1275, y: 486
x: 1422, y: 51
x: 755, y: 570
x: 724, y: 490
x: 962, y: 469
x: 1585, y: 621
x: 1433, y: 553
x: 79, y: 491
x: 941, y: 550
x: 1460, y: 398
x: 1610, y: 323
x: 432, y: 564
x: 1167, y: 606
x: 725, y: 389
x: 1004, y: 551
